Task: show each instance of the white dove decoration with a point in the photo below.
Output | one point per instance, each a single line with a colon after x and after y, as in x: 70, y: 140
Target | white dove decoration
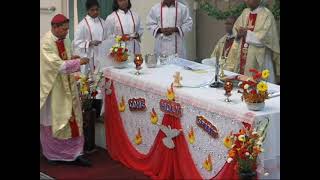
x: 170, y: 133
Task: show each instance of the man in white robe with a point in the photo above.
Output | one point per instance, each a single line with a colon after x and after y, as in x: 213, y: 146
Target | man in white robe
x: 169, y: 21
x: 88, y: 36
x: 87, y: 39
x: 123, y: 21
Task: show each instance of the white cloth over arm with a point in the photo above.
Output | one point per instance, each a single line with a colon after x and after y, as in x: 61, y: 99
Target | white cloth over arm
x: 253, y: 40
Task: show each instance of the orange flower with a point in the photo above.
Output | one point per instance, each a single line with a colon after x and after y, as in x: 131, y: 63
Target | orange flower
x: 242, y: 131
x: 256, y: 149
x: 232, y: 153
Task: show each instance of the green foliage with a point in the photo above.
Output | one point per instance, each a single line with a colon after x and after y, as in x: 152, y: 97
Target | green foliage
x: 234, y: 11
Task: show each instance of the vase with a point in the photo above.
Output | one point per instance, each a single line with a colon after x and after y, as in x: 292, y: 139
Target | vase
x: 97, y: 105
x: 120, y: 65
x: 247, y: 175
x: 255, y: 106
x: 89, y: 118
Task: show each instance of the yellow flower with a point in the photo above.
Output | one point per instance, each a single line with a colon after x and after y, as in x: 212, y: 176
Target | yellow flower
x: 118, y: 39
x: 227, y: 142
x: 265, y: 74
x: 241, y: 138
x: 262, y: 86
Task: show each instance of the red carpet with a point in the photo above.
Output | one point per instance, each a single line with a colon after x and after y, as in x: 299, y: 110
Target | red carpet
x: 103, y: 167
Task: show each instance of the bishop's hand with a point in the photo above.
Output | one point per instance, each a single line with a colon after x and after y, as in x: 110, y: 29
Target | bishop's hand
x: 165, y: 31
x: 241, y: 32
x: 75, y: 57
x: 84, y: 61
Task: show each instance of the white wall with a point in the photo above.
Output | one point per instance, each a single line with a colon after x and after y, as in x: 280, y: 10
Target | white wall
x: 45, y: 17
x: 142, y: 7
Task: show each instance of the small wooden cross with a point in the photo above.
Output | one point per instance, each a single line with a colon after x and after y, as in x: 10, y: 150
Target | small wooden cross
x: 177, y: 79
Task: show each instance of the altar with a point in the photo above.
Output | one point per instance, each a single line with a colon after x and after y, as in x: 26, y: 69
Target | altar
x: 134, y: 136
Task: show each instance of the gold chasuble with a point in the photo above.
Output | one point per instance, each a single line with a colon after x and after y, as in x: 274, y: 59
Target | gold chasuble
x: 245, y: 55
x: 65, y: 104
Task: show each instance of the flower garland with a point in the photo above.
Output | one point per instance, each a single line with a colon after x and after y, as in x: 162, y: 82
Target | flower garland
x: 234, y: 11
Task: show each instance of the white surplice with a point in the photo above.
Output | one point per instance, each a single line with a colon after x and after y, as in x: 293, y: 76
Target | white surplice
x: 89, y: 29
x: 173, y: 16
x: 120, y: 23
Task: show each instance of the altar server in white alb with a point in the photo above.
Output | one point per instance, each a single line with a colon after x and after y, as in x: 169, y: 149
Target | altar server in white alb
x: 125, y: 22
x: 89, y: 35
x: 169, y: 21
x: 87, y: 41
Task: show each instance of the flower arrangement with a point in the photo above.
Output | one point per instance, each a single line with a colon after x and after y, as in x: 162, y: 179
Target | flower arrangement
x: 88, y: 90
x: 254, y: 89
x: 119, y: 52
x: 245, y: 146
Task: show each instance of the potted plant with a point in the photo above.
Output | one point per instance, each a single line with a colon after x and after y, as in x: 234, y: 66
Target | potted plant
x: 244, y: 148
x: 255, y: 89
x: 88, y: 92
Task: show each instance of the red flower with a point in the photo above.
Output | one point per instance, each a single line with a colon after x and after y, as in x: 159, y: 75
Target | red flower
x: 125, y: 38
x: 246, y: 125
x: 238, y: 144
x: 94, y: 93
x: 242, y: 152
x: 257, y: 76
x: 251, y: 83
x: 253, y: 91
x: 253, y: 71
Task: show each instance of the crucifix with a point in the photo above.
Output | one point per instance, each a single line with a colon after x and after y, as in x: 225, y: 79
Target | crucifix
x: 177, y: 79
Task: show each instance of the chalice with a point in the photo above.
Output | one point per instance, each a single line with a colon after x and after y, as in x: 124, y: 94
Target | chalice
x: 138, y: 60
x: 228, y: 86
